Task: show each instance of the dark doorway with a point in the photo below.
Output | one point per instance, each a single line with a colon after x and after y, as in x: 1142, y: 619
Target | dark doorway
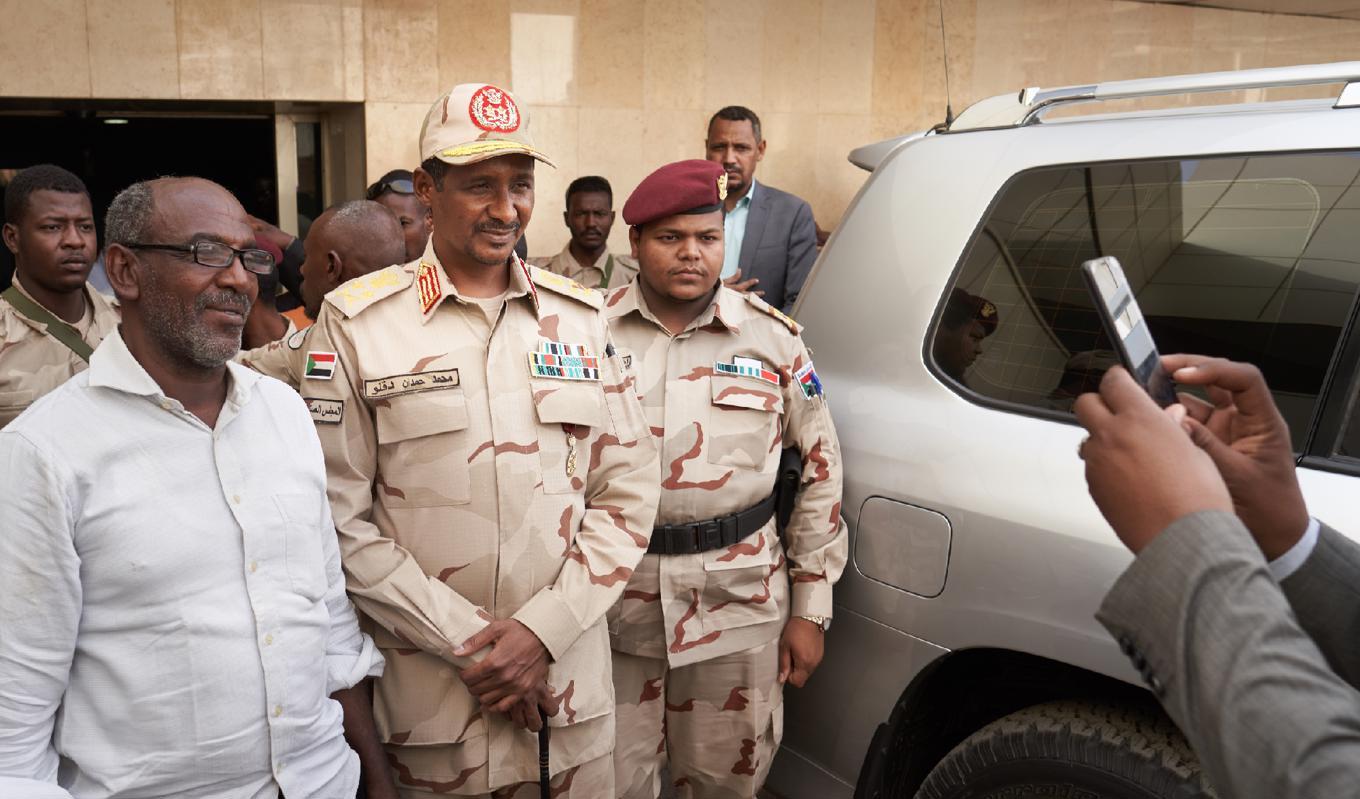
x: 111, y: 147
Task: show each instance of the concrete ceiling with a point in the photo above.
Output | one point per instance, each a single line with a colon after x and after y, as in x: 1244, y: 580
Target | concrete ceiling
x: 1337, y: 9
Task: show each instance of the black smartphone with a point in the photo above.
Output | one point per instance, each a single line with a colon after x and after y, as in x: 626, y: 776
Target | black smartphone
x: 1127, y: 328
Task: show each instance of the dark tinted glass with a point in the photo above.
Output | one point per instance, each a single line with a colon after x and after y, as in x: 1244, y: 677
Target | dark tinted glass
x: 1253, y: 258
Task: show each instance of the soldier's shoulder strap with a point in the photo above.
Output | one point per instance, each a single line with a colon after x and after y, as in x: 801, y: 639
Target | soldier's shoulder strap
x: 566, y: 287
x: 766, y: 308
x: 355, y: 295
x: 55, y: 327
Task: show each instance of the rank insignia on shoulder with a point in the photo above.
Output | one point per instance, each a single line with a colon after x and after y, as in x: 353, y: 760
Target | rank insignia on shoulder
x: 807, y: 380
x: 563, y: 361
x: 325, y: 411
x: 747, y: 367
x: 320, y: 365
x: 427, y: 285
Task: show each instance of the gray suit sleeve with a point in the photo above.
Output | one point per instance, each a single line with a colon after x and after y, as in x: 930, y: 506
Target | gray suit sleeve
x: 1325, y: 595
x: 1201, y: 617
x: 802, y: 254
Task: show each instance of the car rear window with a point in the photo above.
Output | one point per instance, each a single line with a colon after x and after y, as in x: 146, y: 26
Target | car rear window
x: 1254, y: 258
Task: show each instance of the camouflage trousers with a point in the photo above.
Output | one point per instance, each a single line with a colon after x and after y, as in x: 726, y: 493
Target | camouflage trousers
x: 718, y: 723
x: 593, y: 779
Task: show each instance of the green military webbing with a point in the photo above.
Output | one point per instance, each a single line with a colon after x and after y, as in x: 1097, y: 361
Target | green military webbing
x: 56, y: 328
x: 608, y: 270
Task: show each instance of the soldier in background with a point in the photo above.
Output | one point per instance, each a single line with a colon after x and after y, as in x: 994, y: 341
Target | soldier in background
x: 586, y: 257
x: 967, y: 320
x: 396, y: 190
x: 721, y: 613
x: 50, y: 318
x: 347, y: 241
x: 491, y: 477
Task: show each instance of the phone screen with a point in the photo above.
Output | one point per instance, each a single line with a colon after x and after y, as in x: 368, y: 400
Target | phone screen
x: 1127, y: 328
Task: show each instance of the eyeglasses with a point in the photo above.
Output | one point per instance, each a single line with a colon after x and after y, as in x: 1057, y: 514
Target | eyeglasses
x: 217, y: 255
x: 400, y: 186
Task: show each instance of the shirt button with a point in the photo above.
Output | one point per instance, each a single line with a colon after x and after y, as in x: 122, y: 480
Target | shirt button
x: 269, y: 639
x: 253, y: 566
x: 278, y: 710
x: 236, y: 498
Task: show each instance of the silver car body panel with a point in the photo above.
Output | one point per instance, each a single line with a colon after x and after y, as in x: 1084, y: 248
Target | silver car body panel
x: 1030, y: 557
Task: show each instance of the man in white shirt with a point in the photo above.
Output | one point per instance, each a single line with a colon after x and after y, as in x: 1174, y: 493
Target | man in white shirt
x: 175, y: 620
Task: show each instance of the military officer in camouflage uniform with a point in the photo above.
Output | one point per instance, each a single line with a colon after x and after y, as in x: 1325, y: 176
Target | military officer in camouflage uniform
x: 721, y: 612
x: 50, y: 318
x: 347, y: 241
x: 491, y: 478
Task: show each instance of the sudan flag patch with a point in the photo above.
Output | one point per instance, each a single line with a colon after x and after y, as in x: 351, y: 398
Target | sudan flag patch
x: 320, y: 365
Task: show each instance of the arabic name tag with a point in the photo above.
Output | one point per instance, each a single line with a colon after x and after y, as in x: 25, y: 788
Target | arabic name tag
x: 412, y: 383
x: 325, y: 411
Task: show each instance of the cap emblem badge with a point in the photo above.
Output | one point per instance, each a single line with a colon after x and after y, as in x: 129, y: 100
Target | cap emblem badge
x: 492, y: 109
x: 722, y: 187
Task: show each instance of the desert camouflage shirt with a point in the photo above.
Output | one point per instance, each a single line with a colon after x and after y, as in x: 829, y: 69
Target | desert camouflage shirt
x: 723, y: 399
x: 283, y: 359
x: 591, y: 275
x: 33, y: 363
x: 485, y: 460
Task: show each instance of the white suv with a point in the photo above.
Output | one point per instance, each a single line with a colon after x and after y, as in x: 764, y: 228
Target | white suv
x: 965, y: 660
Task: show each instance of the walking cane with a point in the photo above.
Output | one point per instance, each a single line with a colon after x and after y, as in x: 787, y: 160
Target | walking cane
x: 544, y: 789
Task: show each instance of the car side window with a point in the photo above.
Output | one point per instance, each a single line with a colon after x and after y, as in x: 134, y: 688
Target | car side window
x: 1254, y: 258
x: 1348, y: 445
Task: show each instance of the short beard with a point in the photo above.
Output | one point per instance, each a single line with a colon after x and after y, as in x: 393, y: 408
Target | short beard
x: 484, y: 260
x: 179, y: 328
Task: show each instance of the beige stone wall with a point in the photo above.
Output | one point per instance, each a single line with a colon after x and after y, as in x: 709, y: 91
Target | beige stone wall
x: 617, y: 87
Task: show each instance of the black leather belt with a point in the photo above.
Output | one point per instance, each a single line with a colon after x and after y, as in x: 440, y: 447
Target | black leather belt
x: 724, y: 531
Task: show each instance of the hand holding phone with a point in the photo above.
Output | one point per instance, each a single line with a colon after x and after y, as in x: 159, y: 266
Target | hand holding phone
x: 1127, y: 328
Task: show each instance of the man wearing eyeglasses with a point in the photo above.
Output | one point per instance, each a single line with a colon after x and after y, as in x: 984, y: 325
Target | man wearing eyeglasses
x: 175, y: 619
x: 51, y: 319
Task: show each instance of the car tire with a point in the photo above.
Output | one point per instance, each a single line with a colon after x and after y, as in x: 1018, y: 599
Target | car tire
x: 1073, y: 750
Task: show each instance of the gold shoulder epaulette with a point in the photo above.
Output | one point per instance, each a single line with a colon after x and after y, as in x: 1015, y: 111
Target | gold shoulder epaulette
x: 355, y: 295
x: 566, y: 286
x: 783, y: 318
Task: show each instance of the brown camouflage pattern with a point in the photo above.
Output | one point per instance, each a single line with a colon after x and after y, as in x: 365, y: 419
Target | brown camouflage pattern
x: 720, y: 438
x: 282, y: 359
x: 450, y: 515
x: 33, y: 363
x: 590, y: 780
x: 717, y: 723
x: 592, y: 275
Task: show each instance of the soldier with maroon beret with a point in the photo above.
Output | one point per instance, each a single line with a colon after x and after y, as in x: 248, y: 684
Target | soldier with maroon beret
x: 721, y: 612
x: 966, y: 321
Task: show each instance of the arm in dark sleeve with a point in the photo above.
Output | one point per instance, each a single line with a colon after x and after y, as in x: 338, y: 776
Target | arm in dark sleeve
x: 802, y: 254
x: 1325, y: 595
x: 1203, y: 618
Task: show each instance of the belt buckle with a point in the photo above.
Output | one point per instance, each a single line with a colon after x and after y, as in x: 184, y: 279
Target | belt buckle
x: 710, y: 535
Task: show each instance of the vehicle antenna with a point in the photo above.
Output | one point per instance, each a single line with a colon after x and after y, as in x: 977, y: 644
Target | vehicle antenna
x: 944, y: 43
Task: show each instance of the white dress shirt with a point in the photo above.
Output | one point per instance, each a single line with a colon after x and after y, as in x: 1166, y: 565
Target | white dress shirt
x: 1289, y: 562
x: 173, y: 617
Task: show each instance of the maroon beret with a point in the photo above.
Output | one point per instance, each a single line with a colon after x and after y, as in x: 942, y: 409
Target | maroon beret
x: 684, y: 187
x: 963, y: 307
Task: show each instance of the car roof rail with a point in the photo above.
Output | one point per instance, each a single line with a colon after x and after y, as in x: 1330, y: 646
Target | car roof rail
x: 1031, y: 104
